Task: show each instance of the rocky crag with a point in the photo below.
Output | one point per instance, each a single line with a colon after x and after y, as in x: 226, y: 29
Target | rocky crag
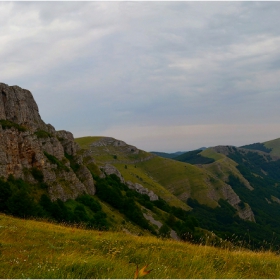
x: 27, y: 143
x: 29, y: 146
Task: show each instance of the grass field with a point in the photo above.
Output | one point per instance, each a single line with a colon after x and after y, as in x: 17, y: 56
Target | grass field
x: 36, y: 249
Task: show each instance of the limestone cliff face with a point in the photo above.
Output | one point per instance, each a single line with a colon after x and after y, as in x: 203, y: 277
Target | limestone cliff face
x: 19, y: 106
x: 38, y: 146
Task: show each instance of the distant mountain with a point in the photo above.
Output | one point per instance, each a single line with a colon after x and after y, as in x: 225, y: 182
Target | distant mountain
x: 257, y: 147
x: 167, y: 155
x: 272, y: 147
x: 194, y: 157
x: 173, y: 155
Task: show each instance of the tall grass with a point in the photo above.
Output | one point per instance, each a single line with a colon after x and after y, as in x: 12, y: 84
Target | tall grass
x: 36, y: 249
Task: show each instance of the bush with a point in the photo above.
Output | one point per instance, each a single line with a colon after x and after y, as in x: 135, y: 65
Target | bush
x: 5, y: 194
x: 90, y: 202
x: 73, y: 164
x: 37, y: 174
x: 56, y: 161
x: 164, y: 231
x: 21, y: 204
x: 8, y: 124
x: 42, y: 134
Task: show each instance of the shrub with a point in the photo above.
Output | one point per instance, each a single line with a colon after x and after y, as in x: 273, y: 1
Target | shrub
x: 5, y: 194
x: 90, y: 202
x: 37, y: 174
x: 6, y: 124
x: 56, y: 161
x: 42, y: 134
x: 164, y: 231
x: 21, y: 204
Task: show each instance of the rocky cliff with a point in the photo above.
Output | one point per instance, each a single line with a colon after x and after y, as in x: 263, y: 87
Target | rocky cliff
x: 28, y: 144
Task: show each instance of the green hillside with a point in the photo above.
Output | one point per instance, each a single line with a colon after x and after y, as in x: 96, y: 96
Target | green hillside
x: 234, y: 195
x: 223, y: 167
x: 174, y: 181
x: 194, y: 157
x: 225, y: 193
x: 167, y: 155
x: 40, y: 250
x: 274, y: 145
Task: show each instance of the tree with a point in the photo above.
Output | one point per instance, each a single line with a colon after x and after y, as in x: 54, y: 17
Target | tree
x: 164, y: 231
x: 22, y: 205
x: 5, y: 194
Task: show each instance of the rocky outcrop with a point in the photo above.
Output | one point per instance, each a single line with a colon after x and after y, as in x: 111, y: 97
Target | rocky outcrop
x: 19, y: 106
x: 140, y: 189
x: 109, y: 141
x: 38, y: 146
x: 19, y: 151
x: 86, y: 178
x: 67, y: 140
x: 226, y: 150
x: 109, y: 169
x: 244, y: 212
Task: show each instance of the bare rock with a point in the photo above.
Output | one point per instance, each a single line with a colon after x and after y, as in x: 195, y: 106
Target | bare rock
x: 109, y: 141
x: 67, y: 140
x: 86, y: 178
x: 110, y: 169
x: 53, y: 147
x: 21, y: 151
x: 67, y: 187
x: 233, y: 199
x: 19, y: 106
x: 140, y: 189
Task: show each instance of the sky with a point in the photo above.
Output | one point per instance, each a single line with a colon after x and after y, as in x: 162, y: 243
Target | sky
x: 162, y: 76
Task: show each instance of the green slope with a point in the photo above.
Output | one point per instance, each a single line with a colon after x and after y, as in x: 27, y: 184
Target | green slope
x: 174, y: 181
x: 237, y: 181
x: 274, y: 145
x: 40, y: 250
x: 223, y: 167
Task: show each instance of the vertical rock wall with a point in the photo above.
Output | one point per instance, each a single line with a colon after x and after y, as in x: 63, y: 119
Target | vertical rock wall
x: 21, y: 151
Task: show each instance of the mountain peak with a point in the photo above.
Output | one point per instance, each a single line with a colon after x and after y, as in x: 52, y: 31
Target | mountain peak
x: 18, y: 105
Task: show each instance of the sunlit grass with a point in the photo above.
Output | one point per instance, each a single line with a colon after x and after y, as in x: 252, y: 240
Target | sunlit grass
x: 84, y: 142
x: 32, y: 249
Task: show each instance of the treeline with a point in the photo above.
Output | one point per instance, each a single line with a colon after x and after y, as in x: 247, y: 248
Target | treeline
x: 258, y: 147
x: 253, y: 162
x: 194, y: 157
x: 225, y: 223
x: 17, y: 198
x: 128, y: 202
x: 263, y: 174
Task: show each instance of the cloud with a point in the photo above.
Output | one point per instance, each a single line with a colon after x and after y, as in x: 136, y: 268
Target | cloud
x: 98, y: 66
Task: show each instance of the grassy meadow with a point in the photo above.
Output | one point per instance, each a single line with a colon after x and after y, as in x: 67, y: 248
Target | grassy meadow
x: 37, y: 249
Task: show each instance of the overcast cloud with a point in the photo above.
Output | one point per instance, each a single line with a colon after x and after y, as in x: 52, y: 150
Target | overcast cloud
x: 163, y: 76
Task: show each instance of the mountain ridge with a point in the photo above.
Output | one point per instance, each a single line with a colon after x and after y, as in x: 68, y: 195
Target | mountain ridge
x: 104, y: 182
